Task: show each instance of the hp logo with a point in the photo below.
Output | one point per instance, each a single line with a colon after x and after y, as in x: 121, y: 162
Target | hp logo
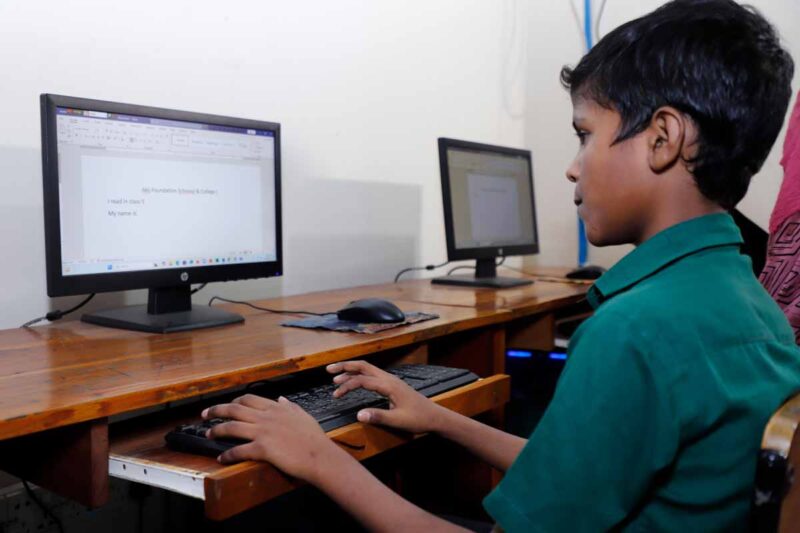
x: 184, y: 276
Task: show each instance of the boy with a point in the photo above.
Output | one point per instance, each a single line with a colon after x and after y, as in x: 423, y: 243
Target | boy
x: 656, y: 421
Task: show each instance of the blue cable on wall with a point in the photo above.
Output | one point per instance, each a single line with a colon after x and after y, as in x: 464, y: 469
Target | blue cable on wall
x: 587, y: 22
x: 583, y: 244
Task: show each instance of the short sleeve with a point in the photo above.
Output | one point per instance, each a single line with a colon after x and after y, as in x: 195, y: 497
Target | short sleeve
x: 604, y: 438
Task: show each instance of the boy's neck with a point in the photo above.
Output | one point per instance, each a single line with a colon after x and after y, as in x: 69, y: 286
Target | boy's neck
x: 675, y: 205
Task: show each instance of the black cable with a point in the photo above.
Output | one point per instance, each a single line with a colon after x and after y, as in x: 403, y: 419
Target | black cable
x: 461, y: 267
x: 426, y: 267
x: 56, y: 315
x: 42, y: 506
x: 517, y: 270
x: 139, y: 494
x: 140, y: 517
x: 200, y: 288
x: 279, y: 311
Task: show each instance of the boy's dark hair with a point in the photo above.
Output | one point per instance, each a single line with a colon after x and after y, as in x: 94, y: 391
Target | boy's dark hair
x: 720, y: 63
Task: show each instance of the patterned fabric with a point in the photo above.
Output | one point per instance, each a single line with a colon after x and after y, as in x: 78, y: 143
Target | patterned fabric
x: 781, y: 274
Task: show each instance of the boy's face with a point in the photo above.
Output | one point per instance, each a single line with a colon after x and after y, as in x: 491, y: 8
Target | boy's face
x: 612, y: 191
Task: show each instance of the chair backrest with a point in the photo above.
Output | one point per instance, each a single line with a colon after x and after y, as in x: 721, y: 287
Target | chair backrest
x: 754, y: 238
x: 776, y: 498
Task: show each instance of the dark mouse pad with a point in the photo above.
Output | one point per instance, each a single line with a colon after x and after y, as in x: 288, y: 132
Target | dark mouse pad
x: 331, y: 322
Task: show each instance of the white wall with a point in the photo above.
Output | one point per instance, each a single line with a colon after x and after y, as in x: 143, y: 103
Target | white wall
x: 362, y: 90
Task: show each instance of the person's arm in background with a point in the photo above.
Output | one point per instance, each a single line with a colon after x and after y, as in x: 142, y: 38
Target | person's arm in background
x: 783, y: 253
x: 788, y: 201
x: 413, y: 412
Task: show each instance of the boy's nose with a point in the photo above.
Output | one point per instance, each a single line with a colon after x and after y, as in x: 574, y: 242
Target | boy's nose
x: 572, y: 172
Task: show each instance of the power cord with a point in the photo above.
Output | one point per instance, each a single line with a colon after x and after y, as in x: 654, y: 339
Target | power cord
x: 56, y: 315
x: 517, y: 270
x: 279, y: 311
x: 42, y: 506
x: 426, y: 267
x: 463, y: 267
x: 200, y: 288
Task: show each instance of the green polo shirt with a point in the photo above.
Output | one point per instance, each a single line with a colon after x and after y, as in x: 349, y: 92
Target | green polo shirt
x: 657, y: 418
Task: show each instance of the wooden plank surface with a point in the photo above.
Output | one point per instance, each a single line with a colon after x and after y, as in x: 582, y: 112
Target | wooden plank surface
x: 71, y: 372
x: 790, y: 508
x: 529, y: 299
x: 72, y: 461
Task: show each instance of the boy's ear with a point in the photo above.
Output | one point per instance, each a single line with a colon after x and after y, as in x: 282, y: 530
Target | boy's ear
x: 666, y: 138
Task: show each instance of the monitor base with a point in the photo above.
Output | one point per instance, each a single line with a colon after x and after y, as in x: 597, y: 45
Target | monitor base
x: 137, y: 318
x: 496, y: 282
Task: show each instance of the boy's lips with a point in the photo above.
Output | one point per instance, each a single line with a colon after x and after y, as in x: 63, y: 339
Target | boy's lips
x: 578, y: 200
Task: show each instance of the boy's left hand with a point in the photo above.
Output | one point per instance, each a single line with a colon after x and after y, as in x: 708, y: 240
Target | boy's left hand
x: 281, y: 433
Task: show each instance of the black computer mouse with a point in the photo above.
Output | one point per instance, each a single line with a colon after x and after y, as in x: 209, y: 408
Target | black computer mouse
x: 586, y: 272
x: 371, y: 310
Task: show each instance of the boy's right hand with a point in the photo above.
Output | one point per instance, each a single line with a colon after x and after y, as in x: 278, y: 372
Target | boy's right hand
x: 408, y: 409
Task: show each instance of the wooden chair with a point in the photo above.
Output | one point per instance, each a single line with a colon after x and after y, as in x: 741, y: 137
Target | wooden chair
x: 776, y: 498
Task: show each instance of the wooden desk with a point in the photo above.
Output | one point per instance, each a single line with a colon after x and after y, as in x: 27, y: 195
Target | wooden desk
x: 59, y: 384
x: 522, y: 301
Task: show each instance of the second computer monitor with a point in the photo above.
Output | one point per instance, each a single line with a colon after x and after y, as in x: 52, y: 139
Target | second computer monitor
x: 489, y: 209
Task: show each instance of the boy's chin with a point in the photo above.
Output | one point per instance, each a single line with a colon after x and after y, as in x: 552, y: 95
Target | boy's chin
x: 597, y: 242
x: 600, y: 239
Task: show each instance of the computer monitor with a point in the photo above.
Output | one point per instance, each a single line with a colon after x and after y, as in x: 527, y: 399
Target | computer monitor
x: 489, y: 210
x: 139, y: 197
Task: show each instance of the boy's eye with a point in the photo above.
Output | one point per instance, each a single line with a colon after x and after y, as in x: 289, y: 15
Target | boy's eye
x: 582, y: 136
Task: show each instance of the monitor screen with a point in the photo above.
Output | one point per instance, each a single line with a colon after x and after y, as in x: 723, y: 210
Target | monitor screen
x: 488, y: 194
x: 140, y: 197
x: 143, y: 193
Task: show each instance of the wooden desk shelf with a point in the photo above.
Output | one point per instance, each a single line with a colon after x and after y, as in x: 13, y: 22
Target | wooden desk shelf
x: 60, y: 384
x: 139, y: 454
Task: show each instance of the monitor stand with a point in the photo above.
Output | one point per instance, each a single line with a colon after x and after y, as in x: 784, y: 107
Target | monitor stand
x: 485, y: 276
x: 168, y: 309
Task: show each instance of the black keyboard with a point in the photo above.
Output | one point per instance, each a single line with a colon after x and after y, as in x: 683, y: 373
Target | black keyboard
x: 330, y: 412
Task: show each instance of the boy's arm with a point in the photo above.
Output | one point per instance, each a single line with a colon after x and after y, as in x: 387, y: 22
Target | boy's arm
x: 489, y: 444
x: 289, y: 438
x: 372, y: 503
x: 411, y: 411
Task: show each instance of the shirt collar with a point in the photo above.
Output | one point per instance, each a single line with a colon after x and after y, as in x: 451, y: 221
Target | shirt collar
x: 663, y: 249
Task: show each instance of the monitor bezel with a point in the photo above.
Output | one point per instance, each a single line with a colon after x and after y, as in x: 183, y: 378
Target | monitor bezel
x: 484, y: 252
x: 61, y: 285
